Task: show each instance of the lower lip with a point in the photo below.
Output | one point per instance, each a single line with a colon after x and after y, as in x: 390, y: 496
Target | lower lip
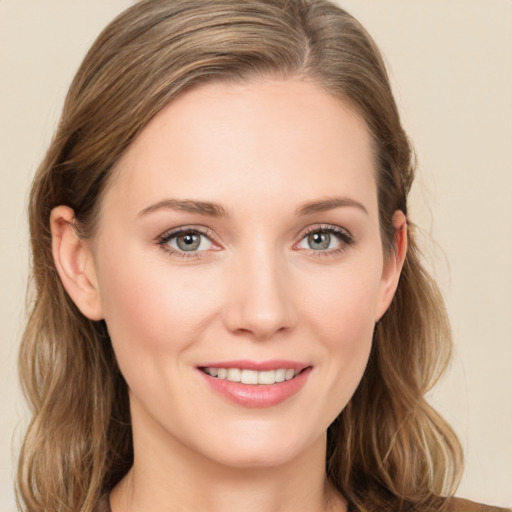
x: 258, y: 395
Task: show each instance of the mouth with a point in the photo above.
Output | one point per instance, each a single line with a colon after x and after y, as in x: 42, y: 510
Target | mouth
x: 252, y: 377
x: 256, y: 384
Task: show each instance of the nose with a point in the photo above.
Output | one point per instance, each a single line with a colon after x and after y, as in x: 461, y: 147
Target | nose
x: 260, y: 297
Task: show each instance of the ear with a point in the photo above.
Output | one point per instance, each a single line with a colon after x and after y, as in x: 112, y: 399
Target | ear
x: 392, y: 265
x: 74, y: 262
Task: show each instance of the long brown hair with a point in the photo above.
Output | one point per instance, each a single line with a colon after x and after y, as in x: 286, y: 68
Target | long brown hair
x: 388, y: 448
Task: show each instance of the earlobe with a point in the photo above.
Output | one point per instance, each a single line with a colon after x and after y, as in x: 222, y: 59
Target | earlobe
x: 74, y: 263
x: 393, y: 265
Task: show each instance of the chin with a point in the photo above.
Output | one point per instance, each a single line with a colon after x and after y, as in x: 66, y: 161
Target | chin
x: 256, y: 457
x: 259, y: 447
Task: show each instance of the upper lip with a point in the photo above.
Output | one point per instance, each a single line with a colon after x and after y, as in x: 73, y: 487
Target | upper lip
x: 260, y: 366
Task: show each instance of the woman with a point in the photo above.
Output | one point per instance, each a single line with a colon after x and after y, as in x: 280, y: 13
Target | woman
x: 230, y: 307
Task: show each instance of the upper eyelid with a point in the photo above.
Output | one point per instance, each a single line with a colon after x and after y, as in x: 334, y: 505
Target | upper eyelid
x: 172, y: 232
x: 323, y: 227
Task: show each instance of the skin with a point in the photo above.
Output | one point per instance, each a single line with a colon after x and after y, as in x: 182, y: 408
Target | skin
x: 256, y: 288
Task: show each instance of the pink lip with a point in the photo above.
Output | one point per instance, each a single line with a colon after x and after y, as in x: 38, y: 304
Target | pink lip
x: 258, y: 396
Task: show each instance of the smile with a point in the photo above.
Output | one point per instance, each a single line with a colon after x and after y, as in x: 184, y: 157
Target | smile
x: 256, y: 384
x: 252, y: 377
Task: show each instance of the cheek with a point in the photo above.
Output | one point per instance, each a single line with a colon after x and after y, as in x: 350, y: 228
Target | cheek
x: 341, y: 313
x: 152, y: 310
x: 342, y: 303
x: 349, y: 341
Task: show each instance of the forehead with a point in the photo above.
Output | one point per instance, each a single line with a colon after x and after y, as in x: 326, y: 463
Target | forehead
x: 289, y: 136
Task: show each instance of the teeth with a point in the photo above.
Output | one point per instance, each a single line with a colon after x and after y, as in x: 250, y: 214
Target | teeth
x: 267, y: 377
x: 289, y: 374
x: 252, y: 376
x: 280, y: 375
x: 234, y: 375
x: 249, y: 377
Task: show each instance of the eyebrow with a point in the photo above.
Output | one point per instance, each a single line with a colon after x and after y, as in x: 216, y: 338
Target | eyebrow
x: 329, y: 204
x: 216, y: 210
x: 189, y: 206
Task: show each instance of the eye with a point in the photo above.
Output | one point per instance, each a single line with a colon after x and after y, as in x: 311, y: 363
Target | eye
x: 325, y: 239
x: 190, y: 242
x: 320, y: 241
x: 185, y: 241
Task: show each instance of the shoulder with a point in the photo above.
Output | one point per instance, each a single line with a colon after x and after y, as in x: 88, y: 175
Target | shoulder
x: 435, y: 504
x: 462, y: 505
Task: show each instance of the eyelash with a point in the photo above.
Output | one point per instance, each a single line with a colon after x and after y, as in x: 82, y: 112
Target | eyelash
x: 344, y: 237
x: 165, y: 238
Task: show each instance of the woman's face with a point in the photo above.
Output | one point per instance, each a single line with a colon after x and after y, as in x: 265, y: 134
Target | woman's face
x: 239, y: 239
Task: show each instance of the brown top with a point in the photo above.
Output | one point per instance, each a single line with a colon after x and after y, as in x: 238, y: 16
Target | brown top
x: 452, y: 505
x: 461, y: 505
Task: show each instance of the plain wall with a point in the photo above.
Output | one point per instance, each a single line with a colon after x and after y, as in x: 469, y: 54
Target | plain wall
x: 451, y: 65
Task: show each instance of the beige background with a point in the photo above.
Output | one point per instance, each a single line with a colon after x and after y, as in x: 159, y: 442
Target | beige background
x: 451, y: 65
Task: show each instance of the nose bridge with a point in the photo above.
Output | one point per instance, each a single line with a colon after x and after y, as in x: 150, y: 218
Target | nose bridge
x: 261, y: 302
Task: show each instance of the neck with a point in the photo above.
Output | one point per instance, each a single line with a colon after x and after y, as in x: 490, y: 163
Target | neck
x: 166, y: 475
